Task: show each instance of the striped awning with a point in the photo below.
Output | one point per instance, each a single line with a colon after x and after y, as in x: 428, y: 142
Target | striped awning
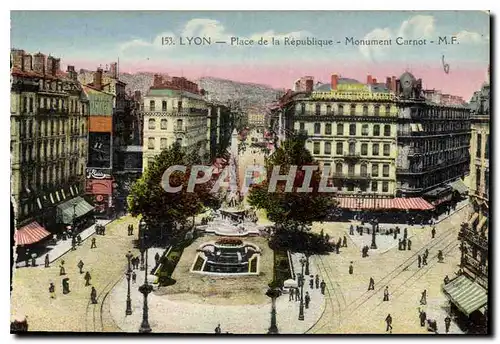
x: 30, y: 234
x: 467, y: 295
x: 73, y: 208
x: 414, y: 203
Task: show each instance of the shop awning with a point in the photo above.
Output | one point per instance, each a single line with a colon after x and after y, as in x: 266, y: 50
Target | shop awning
x: 467, y: 295
x: 30, y: 234
x: 442, y: 200
x: 473, y: 219
x: 459, y: 186
x: 74, y: 207
x: 414, y: 203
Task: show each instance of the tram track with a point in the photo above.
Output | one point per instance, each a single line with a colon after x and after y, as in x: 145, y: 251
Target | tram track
x: 392, y: 275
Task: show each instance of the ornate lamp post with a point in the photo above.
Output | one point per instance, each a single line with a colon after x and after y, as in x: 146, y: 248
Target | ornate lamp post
x: 128, y: 310
x: 301, y: 282
x: 273, y: 292
x: 146, y: 288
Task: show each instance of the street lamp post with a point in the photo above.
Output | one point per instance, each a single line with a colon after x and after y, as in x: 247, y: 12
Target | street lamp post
x: 128, y: 310
x: 301, y: 281
x: 273, y: 292
x: 73, y: 228
x: 145, y: 289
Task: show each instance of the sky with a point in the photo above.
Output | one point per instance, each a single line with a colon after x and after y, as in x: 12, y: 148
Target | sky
x: 89, y: 39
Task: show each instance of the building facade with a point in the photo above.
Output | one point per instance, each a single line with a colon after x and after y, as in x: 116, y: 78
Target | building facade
x: 433, y: 139
x: 49, y: 133
x: 219, y: 128
x: 174, y: 110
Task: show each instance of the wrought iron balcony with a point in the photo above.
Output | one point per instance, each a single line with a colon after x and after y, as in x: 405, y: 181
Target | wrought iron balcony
x: 352, y: 155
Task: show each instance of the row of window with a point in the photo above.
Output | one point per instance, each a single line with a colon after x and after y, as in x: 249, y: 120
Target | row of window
x: 52, y: 127
x: 163, y: 142
x: 152, y: 105
x: 353, y: 129
x: 375, y: 148
x: 164, y: 124
x: 347, y: 109
x: 52, y: 103
x: 339, y: 169
x: 49, y: 175
x: 479, y: 144
x: 434, y: 112
x: 374, y: 186
x: 442, y: 143
x: 446, y: 127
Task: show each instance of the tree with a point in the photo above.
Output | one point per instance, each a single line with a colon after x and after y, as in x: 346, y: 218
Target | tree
x: 293, y: 212
x: 170, y: 211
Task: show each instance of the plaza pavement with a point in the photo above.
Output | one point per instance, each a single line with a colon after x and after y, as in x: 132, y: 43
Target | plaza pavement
x: 174, y: 316
x: 73, y: 312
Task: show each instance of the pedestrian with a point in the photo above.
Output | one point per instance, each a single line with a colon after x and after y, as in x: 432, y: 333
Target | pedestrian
x: 62, y: 270
x: 73, y: 243
x: 307, y: 299
x: 217, y: 329
x: 317, y: 281
x: 33, y: 259
x: 405, y: 234
x: 52, y: 291
x: 371, y: 285
x: 447, y: 323
x: 93, y: 296
x: 80, y: 266
x: 344, y: 243
x: 388, y: 320
x: 423, y: 318
x: 157, y: 258
x: 423, y: 298
x: 386, y: 293
x: 103, y: 230
x: 337, y: 248
x: 424, y: 260
x: 297, y: 294
x: 311, y: 282
x: 400, y: 244
x: 290, y: 296
x: 409, y: 245
x: 93, y: 245
x: 351, y: 269
x: 404, y: 244
x: 395, y: 235
x: 322, y: 285
x: 134, y: 277
x: 65, y: 285
x: 351, y: 230
x: 440, y: 256
x: 419, y: 261
x: 87, y: 278
x: 433, y: 232
x: 47, y: 260
x: 79, y: 239
x: 446, y: 279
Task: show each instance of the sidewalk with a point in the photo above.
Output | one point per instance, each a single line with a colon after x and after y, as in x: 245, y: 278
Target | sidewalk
x: 169, y: 316
x: 62, y: 246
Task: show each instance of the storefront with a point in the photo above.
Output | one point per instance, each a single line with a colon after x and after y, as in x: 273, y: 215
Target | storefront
x: 100, y: 191
x: 76, y: 213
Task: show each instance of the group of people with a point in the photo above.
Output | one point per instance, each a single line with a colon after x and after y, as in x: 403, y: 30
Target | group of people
x: 65, y: 281
x: 100, y: 229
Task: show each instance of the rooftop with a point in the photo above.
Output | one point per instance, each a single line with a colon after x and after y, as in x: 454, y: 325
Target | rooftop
x: 167, y: 92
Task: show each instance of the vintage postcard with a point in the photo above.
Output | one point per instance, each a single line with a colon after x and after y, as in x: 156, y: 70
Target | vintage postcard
x: 250, y: 172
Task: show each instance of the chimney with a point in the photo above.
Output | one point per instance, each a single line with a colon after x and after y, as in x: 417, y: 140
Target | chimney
x: 56, y: 66
x: 393, y: 83
x: 309, y: 85
x: 39, y: 63
x: 28, y: 62
x: 98, y: 79
x: 49, y: 67
x: 374, y: 81
x: 369, y: 79
x: 158, y: 80
x: 335, y: 81
x: 398, y: 87
x: 71, y: 72
x: 16, y: 56
x: 388, y: 83
x: 113, y: 69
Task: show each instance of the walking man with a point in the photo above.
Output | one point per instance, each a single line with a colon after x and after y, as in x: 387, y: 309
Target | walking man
x: 388, y: 320
x: 409, y: 245
x: 322, y: 286
x: 134, y: 277
x: 446, y: 279
x: 423, y: 318
x: 290, y: 296
x: 433, y: 232
x: 311, y: 282
x: 344, y: 242
x: 423, y: 299
x: 440, y: 256
x: 351, y: 230
x: 351, y: 269
x: 371, y: 285
x: 62, y: 271
x: 317, y: 281
x: 424, y: 259
x: 87, y: 278
x: 447, y: 323
x: 47, y: 261
x: 307, y: 299
x: 217, y: 329
x: 80, y: 266
x: 93, y: 296
x: 419, y: 261
x: 52, y: 291
x: 93, y: 245
x: 386, y: 293
x: 157, y: 258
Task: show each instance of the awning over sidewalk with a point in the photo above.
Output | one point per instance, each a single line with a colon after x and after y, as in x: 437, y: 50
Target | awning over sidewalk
x: 414, y: 203
x: 467, y: 295
x: 30, y: 234
x: 74, y: 207
x: 459, y: 186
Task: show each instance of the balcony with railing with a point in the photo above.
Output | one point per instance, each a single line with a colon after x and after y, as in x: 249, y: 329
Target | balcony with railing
x: 180, y: 129
x: 351, y: 155
x: 45, y: 111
